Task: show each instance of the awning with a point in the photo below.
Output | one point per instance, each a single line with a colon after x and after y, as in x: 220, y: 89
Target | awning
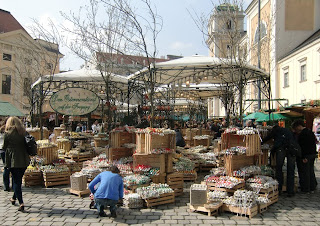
x: 7, y: 109
x: 290, y: 113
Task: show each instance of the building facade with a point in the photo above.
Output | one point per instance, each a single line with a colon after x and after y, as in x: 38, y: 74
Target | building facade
x: 23, y: 60
x: 289, y: 51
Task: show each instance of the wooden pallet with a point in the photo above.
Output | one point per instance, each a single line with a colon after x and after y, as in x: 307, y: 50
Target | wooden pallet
x: 212, y: 210
x: 53, y: 179
x: 79, y: 193
x: 33, y: 179
x: 248, y: 212
x: 163, y: 199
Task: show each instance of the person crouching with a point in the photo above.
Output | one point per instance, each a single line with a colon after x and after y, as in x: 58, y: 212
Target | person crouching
x: 109, y: 191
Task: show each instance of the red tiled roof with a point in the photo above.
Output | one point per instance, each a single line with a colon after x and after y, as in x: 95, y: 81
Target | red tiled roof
x: 8, y: 22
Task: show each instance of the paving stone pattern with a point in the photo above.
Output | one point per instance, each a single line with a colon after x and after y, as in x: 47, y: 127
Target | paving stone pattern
x: 55, y: 206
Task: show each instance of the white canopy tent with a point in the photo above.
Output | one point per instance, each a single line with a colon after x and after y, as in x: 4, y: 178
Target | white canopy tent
x: 196, y: 69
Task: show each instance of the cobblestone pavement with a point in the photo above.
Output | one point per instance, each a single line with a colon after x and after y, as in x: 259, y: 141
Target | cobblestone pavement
x: 55, y: 206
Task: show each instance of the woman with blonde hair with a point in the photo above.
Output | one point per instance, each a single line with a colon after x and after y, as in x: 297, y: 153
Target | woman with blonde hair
x: 17, y: 158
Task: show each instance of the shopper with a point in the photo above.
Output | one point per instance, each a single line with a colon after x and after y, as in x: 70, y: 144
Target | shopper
x: 109, y: 191
x: 6, y: 172
x: 16, y: 156
x: 281, y: 148
x: 305, y: 163
x: 180, y: 142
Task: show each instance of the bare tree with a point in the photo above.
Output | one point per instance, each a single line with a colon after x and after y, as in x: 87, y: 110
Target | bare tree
x: 35, y: 58
x: 104, y: 32
x: 225, y: 37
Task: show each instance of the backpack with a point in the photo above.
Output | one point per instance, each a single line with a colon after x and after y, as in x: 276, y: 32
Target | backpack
x: 31, y: 145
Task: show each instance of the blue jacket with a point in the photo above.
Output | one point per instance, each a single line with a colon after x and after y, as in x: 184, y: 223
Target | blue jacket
x: 111, y: 186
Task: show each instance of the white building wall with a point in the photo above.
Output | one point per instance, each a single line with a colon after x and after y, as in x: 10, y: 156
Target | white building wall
x: 297, y: 90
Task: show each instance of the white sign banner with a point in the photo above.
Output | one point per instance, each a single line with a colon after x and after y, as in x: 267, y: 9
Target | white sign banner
x: 74, y: 101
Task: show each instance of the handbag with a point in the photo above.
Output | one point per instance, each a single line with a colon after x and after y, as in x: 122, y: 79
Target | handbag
x: 31, y: 145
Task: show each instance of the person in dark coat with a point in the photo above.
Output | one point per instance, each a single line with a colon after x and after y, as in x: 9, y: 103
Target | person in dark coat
x: 282, y: 137
x: 180, y: 142
x: 307, y: 141
x: 16, y: 157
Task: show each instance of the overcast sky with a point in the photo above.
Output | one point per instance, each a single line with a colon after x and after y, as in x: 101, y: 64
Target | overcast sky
x: 179, y: 35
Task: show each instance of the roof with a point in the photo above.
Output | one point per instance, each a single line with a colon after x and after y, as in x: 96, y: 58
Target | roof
x: 216, y: 71
x: 306, y: 42
x: 8, y: 22
x: 7, y: 109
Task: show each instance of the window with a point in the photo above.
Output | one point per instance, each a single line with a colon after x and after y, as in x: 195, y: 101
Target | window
x: 6, y: 57
x: 263, y: 32
x: 229, y: 25
x: 49, y: 66
x: 286, y: 79
x: 303, y: 74
x: 6, y: 84
x: 26, y: 86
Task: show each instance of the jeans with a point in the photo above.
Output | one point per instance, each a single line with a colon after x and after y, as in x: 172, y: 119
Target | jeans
x: 17, y: 174
x: 6, y: 173
x: 291, y: 160
x: 307, y: 178
x: 105, y: 203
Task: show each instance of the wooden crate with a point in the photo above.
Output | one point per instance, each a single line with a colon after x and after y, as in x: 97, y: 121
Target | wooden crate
x: 79, y: 158
x: 65, y: 145
x: 118, y: 153
x: 190, y: 133
x: 118, y: 138
x: 159, y: 179
x: 212, y: 210
x: 235, y: 162
x: 37, y: 135
x: 49, y: 153
x: 33, y: 179
x: 190, y: 176
x: 249, y: 212
x: 206, y: 167
x: 205, y: 132
x: 100, y: 142
x: 273, y: 198
x: 146, y: 142
x: 189, y: 142
x: 163, y: 199
x: 154, y: 160
x: 262, y: 207
x: 212, y: 187
x: 53, y: 179
x: 57, y: 131
x: 175, y: 181
x: 203, y: 142
x: 251, y: 141
x: 169, y: 162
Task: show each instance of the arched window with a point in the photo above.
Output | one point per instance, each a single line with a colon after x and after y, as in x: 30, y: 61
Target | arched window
x: 263, y: 32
